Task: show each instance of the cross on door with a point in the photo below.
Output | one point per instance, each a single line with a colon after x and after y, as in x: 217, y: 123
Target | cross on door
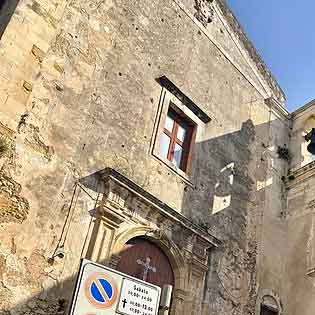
x: 147, y: 267
x: 133, y: 258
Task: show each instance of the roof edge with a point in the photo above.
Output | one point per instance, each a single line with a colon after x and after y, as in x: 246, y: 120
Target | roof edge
x: 303, y: 108
x: 252, y: 51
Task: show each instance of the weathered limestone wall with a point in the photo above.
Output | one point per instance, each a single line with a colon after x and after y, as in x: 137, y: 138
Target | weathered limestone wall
x: 79, y: 93
x: 300, y: 243
x: 299, y: 279
x: 273, y: 227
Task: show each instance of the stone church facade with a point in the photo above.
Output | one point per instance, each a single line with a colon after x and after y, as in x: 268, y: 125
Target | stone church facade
x: 150, y: 133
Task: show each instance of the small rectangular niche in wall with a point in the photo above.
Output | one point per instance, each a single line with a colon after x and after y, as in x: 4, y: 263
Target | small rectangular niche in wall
x: 265, y: 310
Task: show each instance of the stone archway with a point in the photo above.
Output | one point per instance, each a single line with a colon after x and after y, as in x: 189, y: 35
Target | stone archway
x: 144, y: 260
x: 171, y: 251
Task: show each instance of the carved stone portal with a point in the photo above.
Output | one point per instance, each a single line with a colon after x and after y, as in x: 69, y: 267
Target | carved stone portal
x: 129, y: 214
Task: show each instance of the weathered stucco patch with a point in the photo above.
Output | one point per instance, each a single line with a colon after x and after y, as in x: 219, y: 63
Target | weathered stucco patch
x: 2, y: 266
x: 13, y: 207
x: 34, y: 141
x: 5, y: 295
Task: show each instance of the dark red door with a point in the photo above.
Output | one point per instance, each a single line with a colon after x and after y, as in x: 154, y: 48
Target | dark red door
x: 144, y: 260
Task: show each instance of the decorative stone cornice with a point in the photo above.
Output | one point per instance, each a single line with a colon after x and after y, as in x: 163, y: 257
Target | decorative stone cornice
x: 300, y: 175
x: 113, y: 218
x: 123, y: 192
x: 302, y: 110
x: 276, y: 106
x: 250, y: 48
x: 267, y: 86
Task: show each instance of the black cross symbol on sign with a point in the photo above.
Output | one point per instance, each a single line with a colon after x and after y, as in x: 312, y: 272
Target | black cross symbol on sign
x: 124, y: 303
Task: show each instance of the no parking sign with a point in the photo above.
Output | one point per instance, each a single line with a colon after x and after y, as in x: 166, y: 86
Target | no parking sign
x: 103, y: 291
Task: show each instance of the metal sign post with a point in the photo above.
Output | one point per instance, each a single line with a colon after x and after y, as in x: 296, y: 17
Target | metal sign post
x: 165, y: 302
x: 103, y: 291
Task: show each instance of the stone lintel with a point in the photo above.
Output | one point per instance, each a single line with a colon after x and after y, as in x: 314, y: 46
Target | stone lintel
x: 172, y: 88
x: 277, y: 106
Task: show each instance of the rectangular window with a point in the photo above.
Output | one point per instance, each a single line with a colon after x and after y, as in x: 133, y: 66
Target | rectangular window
x: 176, y: 139
x: 179, y: 123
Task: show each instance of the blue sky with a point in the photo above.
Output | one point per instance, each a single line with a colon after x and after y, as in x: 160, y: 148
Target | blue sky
x: 283, y: 32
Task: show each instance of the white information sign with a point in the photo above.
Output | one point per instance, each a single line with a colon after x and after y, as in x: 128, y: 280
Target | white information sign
x: 103, y: 291
x: 137, y: 298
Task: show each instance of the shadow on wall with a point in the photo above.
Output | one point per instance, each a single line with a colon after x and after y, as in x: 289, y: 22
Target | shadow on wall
x: 230, y: 184
x: 225, y: 182
x: 224, y: 175
x: 7, y: 8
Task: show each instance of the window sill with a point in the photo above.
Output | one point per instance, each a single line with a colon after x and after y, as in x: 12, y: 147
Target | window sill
x: 185, y: 177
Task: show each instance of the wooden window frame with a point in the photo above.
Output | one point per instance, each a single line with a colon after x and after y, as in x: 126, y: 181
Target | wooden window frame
x: 186, y: 145
x: 167, y: 102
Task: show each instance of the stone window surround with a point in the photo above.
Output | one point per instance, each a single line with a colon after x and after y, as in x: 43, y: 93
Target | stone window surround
x: 171, y: 96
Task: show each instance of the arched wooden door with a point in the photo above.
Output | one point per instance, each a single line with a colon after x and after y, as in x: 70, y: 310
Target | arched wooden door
x: 144, y: 260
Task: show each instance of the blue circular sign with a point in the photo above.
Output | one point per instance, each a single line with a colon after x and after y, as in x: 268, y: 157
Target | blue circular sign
x: 99, y: 287
x: 101, y: 290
